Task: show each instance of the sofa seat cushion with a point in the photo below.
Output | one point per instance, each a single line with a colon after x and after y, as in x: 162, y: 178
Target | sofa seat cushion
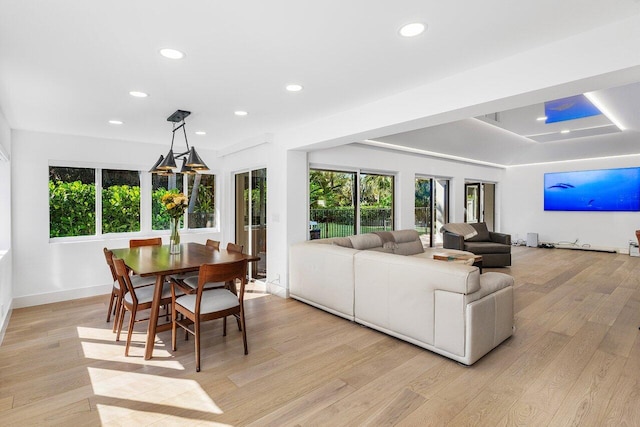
x: 489, y: 283
x: 480, y: 248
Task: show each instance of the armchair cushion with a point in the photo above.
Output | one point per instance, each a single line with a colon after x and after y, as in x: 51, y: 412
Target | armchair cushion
x: 483, y: 233
x: 481, y: 248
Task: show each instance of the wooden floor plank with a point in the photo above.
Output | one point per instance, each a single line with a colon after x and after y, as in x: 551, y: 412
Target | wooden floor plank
x: 574, y: 359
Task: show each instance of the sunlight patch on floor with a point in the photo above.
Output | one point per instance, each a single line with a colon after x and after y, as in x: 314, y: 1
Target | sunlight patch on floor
x: 111, y: 350
x: 147, y: 394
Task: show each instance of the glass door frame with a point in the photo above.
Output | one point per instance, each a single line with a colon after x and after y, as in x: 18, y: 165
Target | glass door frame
x: 253, y: 268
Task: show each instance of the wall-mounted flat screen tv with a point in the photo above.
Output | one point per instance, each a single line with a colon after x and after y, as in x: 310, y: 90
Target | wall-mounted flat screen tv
x: 593, y: 190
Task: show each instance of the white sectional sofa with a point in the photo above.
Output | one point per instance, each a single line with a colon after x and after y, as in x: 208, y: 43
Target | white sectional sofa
x: 388, y: 282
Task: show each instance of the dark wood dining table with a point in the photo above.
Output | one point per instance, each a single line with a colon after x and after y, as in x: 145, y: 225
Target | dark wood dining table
x: 157, y: 261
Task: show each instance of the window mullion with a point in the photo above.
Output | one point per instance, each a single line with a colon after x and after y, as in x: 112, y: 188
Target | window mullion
x: 98, y: 202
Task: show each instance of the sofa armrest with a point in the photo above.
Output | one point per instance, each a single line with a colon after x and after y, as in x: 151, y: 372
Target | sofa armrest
x: 452, y: 241
x: 500, y: 238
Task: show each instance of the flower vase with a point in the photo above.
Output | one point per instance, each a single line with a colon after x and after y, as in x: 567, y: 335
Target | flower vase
x: 174, y: 239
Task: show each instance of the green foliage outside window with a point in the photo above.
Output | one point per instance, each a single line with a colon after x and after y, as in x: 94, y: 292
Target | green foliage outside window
x: 120, y: 209
x: 71, y: 209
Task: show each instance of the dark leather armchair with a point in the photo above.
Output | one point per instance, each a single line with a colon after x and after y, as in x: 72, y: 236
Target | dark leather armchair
x: 495, y: 248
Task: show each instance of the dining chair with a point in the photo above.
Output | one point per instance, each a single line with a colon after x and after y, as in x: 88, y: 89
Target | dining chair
x: 235, y: 248
x: 135, y: 299
x: 154, y: 241
x: 212, y: 304
x: 214, y: 244
x: 117, y: 292
x: 189, y: 282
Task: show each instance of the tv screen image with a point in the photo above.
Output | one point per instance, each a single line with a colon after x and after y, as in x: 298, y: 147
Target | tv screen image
x: 593, y: 190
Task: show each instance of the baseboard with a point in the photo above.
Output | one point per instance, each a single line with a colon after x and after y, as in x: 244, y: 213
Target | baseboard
x: 277, y: 290
x: 5, y: 322
x: 66, y: 295
x: 582, y: 248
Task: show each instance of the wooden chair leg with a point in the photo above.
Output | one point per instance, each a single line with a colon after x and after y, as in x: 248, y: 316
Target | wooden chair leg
x: 196, y: 328
x: 113, y: 295
x: 224, y: 326
x: 120, y: 321
x: 132, y: 322
x: 174, y: 325
x: 244, y: 332
x: 117, y: 310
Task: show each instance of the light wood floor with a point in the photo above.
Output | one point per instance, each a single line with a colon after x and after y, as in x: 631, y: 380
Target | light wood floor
x: 574, y: 360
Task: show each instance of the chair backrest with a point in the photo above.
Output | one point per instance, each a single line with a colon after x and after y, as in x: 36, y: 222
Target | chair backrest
x: 213, y: 244
x: 227, y: 272
x: 155, y: 241
x: 232, y: 247
x: 109, y: 257
x: 122, y: 273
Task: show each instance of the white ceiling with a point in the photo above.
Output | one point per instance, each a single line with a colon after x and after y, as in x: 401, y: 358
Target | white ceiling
x: 67, y: 66
x: 512, y: 140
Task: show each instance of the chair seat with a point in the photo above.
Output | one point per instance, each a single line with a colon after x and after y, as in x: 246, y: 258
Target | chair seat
x: 214, y: 300
x: 192, y: 282
x: 145, y: 294
x: 137, y: 281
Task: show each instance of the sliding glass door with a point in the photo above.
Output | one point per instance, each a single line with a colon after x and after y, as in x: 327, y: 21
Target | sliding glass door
x: 332, y: 203
x: 480, y: 203
x: 431, y: 209
x: 345, y: 203
x: 251, y: 218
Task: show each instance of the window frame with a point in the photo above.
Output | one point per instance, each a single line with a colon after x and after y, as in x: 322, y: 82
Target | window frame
x: 357, y: 187
x: 145, y: 204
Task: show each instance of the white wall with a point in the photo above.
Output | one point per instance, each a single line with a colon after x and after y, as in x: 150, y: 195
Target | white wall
x: 406, y: 167
x: 47, y: 271
x: 523, y: 208
x: 286, y: 184
x: 5, y: 228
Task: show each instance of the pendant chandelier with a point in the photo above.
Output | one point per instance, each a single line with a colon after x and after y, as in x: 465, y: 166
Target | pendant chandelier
x: 191, y: 162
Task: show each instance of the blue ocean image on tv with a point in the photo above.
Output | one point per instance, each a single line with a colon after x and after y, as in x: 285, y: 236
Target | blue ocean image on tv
x: 593, y: 190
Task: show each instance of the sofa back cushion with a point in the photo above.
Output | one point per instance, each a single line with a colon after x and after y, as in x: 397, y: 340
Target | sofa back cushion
x: 404, y: 236
x: 342, y: 241
x: 365, y: 241
x: 483, y: 233
x: 409, y: 248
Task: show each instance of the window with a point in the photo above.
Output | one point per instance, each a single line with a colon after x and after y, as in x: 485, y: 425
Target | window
x: 120, y: 201
x: 332, y: 205
x: 90, y: 202
x: 376, y: 202
x: 334, y: 200
x: 201, y: 193
x: 72, y: 202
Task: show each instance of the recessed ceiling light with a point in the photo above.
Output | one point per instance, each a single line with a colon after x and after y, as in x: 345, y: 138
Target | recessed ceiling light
x: 565, y: 131
x: 412, y: 30
x: 540, y: 119
x: 171, y: 53
x: 116, y: 122
x: 294, y: 88
x: 138, y: 94
x: 240, y: 113
x: 200, y: 132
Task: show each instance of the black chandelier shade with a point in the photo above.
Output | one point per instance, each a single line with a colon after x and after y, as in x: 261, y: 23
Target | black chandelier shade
x: 191, y: 163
